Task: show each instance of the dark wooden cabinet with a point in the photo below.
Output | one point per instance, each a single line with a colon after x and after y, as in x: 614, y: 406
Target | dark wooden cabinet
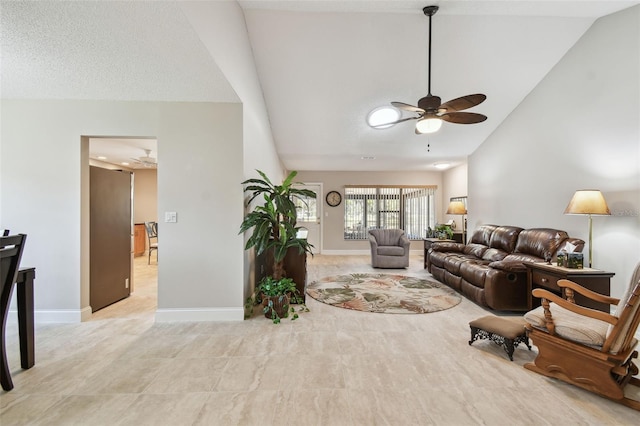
x: 295, y: 266
x: 542, y: 275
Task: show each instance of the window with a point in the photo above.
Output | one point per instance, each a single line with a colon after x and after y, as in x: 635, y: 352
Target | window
x: 371, y: 207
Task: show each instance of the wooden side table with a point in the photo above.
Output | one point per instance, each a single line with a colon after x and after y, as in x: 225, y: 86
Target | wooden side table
x: 427, y: 245
x: 543, y: 275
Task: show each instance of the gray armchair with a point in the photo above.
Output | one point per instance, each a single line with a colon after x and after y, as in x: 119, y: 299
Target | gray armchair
x: 389, y: 248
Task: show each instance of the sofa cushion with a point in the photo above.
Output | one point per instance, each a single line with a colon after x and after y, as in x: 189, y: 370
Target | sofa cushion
x: 474, y: 272
x: 476, y: 250
x: 505, y: 238
x: 493, y: 255
x: 540, y: 242
x: 522, y: 257
x: 482, y: 235
x: 447, y: 247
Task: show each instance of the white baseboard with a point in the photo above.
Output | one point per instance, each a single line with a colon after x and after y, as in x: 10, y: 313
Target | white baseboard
x: 345, y: 252
x: 209, y: 314
x: 63, y: 316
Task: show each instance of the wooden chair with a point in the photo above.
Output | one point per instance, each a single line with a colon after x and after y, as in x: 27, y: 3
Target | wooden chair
x: 11, y: 248
x: 585, y: 347
x: 152, y: 236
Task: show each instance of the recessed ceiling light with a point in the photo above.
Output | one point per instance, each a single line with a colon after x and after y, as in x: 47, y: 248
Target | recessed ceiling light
x: 381, y: 115
x: 102, y: 157
x: 367, y: 157
x: 124, y: 163
x: 441, y: 165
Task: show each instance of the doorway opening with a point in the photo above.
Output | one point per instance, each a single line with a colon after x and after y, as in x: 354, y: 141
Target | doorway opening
x: 138, y: 156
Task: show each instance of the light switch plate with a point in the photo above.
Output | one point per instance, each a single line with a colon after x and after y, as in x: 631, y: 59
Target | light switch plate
x: 170, y: 217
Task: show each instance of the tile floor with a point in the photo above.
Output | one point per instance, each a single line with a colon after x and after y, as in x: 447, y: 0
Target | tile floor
x: 330, y: 367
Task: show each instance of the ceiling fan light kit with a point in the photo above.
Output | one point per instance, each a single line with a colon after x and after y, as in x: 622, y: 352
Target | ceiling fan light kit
x: 428, y: 125
x: 431, y: 112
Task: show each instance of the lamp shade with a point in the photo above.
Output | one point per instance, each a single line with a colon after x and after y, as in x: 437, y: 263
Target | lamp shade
x: 456, y: 207
x: 587, y: 201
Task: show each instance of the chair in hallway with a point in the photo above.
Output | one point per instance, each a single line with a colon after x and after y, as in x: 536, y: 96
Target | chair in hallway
x: 584, y: 347
x: 152, y: 237
x: 389, y: 248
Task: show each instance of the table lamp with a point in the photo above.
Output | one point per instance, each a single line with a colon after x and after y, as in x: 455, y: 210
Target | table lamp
x: 588, y: 202
x: 457, y: 207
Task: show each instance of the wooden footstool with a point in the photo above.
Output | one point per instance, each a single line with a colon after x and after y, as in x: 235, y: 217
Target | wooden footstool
x: 506, y: 332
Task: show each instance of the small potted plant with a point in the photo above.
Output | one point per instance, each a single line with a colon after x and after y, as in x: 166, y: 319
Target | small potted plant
x: 444, y: 232
x: 276, y: 296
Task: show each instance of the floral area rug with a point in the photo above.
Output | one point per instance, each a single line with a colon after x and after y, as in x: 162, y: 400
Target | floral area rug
x: 391, y: 294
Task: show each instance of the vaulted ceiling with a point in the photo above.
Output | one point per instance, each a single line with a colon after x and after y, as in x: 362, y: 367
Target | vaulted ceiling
x: 323, y: 66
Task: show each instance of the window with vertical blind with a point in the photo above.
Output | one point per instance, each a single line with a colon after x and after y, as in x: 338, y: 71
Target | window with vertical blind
x: 410, y: 208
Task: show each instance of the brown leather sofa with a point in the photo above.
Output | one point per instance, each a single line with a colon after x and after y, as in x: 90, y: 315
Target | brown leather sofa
x: 489, y: 269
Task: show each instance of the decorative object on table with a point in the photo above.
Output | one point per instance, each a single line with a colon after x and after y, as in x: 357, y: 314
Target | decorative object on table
x: 274, y: 223
x: 591, y: 350
x: 504, y: 331
x: 458, y: 207
x: 574, y: 260
x: 383, y: 293
x: 431, y: 112
x: 588, y: 202
x: 444, y: 232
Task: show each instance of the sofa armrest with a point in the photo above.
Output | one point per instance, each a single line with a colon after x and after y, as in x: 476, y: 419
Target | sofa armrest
x: 373, y: 241
x: 447, y: 247
x: 508, y: 266
x: 404, y: 242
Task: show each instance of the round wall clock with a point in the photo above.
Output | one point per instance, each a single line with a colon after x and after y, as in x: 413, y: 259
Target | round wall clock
x: 333, y: 198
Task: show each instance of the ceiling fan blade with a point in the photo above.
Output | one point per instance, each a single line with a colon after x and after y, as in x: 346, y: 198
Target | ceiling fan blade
x: 463, y: 117
x: 407, y: 107
x: 395, y: 122
x: 463, y: 102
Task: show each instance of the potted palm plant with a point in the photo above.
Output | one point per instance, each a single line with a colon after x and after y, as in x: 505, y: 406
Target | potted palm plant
x: 274, y: 223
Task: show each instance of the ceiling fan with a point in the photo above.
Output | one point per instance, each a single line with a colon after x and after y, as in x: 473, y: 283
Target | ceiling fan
x: 147, y: 160
x: 431, y: 111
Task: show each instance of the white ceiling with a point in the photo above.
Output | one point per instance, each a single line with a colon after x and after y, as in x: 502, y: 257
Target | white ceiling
x: 323, y: 65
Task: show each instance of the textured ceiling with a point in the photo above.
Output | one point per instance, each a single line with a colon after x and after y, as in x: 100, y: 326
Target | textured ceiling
x: 106, y: 50
x: 323, y: 65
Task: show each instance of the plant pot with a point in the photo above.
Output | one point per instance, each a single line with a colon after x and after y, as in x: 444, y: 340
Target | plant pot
x: 279, y: 304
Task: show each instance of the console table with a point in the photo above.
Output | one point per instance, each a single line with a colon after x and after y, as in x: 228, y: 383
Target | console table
x: 24, y: 284
x: 427, y: 245
x: 543, y: 275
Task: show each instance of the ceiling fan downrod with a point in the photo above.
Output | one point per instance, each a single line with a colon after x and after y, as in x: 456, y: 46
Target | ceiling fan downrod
x: 429, y: 11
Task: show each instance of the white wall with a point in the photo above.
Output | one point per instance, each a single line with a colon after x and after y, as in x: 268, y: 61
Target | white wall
x: 333, y: 217
x: 222, y: 28
x: 44, y: 195
x: 454, y: 184
x: 579, y: 129
x: 145, y: 195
